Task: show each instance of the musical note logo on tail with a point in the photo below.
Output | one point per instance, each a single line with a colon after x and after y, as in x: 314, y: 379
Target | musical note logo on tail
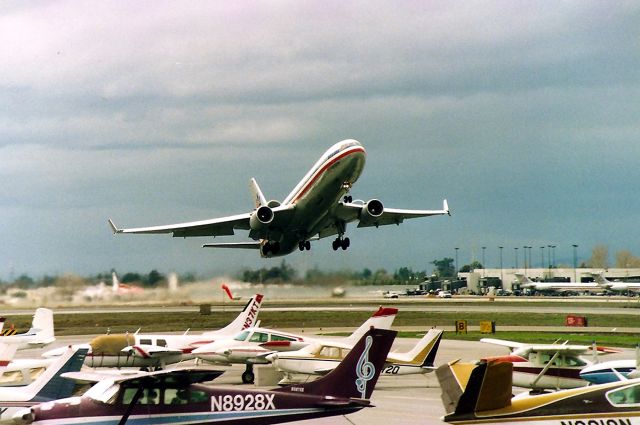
x: 364, y: 369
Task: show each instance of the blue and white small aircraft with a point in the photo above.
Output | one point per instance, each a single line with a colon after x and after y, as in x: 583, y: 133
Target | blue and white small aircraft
x: 318, y: 207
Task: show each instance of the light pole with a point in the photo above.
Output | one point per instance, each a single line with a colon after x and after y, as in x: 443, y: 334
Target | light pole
x: 575, y: 262
x: 483, y: 265
x: 516, y: 255
x: 553, y: 250
x: 501, y: 278
x: 549, y: 255
x: 456, y: 272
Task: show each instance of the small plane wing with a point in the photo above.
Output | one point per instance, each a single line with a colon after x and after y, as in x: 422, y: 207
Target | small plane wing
x: 503, y: 342
x: 185, y: 375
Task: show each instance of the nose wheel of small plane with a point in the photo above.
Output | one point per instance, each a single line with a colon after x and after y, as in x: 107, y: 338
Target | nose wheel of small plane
x: 302, y: 245
x: 341, y: 243
x: 247, y: 376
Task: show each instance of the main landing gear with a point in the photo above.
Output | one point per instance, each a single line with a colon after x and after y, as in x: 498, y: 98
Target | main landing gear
x: 341, y: 242
x: 302, y: 245
x: 248, y: 376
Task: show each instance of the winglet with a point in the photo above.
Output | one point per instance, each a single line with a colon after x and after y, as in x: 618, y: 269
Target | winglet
x: 445, y: 207
x: 114, y: 229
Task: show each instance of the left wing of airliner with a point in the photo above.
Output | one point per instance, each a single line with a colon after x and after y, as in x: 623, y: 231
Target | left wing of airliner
x: 382, y: 216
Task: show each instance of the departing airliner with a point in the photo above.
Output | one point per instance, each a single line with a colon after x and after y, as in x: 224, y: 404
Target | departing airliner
x: 318, y: 207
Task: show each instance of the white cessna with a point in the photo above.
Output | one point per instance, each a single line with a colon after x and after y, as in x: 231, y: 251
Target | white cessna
x: 157, y: 351
x: 253, y: 345
x: 321, y: 358
x: 318, y: 207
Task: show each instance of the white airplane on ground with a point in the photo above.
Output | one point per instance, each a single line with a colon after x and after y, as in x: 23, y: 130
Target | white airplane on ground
x: 318, y: 207
x: 46, y: 387
x: 525, y: 282
x: 321, y: 358
x: 615, y: 285
x: 547, y: 366
x: 156, y: 351
x: 252, y: 345
x: 41, y: 332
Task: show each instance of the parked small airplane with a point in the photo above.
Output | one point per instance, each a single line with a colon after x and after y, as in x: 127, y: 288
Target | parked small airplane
x: 170, y: 398
x: 546, y: 366
x: 482, y: 393
x: 48, y: 386
x: 579, y: 287
x: 318, y: 207
x: 321, y: 358
x: 40, y: 334
x: 252, y: 345
x: 157, y: 351
x: 615, y: 285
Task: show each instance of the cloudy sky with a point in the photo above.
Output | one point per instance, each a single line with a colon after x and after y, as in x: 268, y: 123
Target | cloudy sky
x: 524, y: 115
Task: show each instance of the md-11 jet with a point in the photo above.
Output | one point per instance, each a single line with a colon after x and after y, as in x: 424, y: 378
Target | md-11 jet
x: 318, y: 207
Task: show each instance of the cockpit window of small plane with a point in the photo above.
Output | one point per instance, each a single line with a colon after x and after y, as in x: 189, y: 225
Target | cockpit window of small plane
x: 574, y: 361
x: 275, y: 337
x: 149, y: 395
x: 145, y: 341
x: 330, y: 352
x: 625, y: 396
x: 161, y: 343
x: 259, y: 337
x: 242, y: 336
x: 176, y: 396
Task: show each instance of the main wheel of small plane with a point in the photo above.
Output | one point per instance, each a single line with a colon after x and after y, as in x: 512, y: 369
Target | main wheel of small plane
x: 248, y: 377
x: 307, y: 245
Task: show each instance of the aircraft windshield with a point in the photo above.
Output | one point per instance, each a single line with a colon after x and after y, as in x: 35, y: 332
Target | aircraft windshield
x: 242, y: 336
x: 625, y: 396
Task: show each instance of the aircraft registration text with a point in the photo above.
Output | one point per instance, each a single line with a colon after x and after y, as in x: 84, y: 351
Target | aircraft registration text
x: 228, y: 402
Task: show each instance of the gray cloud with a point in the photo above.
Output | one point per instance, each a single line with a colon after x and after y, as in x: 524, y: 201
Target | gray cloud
x: 522, y: 113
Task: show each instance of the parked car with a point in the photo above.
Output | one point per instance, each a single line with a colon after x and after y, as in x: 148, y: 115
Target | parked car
x: 444, y: 294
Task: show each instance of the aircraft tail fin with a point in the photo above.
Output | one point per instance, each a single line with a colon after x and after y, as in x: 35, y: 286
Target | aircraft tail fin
x: 430, y: 344
x: 469, y: 388
x: 600, y: 279
x: 115, y: 283
x: 522, y: 279
x: 50, y: 385
x: 246, y: 319
x: 381, y: 319
x: 258, y: 197
x: 356, y: 376
x: 42, y: 326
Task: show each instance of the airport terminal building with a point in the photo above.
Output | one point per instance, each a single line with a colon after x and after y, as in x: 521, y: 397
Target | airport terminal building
x: 480, y: 280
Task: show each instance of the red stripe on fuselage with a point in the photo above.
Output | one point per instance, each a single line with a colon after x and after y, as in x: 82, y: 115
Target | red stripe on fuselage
x: 322, y: 169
